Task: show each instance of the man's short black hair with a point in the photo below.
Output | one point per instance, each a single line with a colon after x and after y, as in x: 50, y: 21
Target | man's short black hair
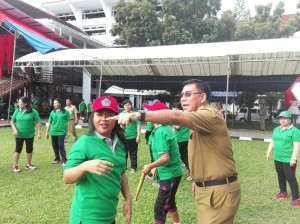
x: 201, y: 86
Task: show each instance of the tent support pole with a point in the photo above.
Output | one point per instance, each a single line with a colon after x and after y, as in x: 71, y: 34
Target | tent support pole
x: 11, y: 79
x: 100, y: 81
x: 227, y: 84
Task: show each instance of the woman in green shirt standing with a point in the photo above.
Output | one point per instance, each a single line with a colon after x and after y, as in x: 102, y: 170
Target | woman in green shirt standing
x: 23, y: 122
x: 133, y: 137
x: 59, y: 126
x: 286, y: 144
x: 166, y: 157
x: 97, y: 165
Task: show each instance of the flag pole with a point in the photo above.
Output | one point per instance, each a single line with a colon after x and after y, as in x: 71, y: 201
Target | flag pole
x: 11, y: 79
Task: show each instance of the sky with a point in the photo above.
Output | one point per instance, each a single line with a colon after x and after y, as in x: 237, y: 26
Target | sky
x: 290, y: 5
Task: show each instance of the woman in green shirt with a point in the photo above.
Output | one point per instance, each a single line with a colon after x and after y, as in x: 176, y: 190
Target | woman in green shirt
x: 23, y: 123
x: 286, y: 144
x: 167, y: 161
x: 133, y: 137
x: 59, y: 126
x: 97, y: 165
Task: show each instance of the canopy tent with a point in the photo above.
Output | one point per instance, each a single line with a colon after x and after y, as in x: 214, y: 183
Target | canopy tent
x: 259, y: 65
x: 118, y: 91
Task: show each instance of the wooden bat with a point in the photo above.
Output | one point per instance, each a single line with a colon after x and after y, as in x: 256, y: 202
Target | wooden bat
x: 139, y: 186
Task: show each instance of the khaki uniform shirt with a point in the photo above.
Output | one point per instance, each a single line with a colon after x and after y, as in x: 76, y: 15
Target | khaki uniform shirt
x: 72, y: 110
x: 209, y: 148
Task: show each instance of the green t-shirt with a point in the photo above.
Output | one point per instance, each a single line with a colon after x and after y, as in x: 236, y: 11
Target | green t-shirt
x: 25, y: 122
x: 82, y: 107
x: 96, y: 197
x: 58, y: 121
x: 35, y: 104
x: 130, y: 130
x: 89, y: 107
x: 283, y: 143
x: 16, y: 105
x: 163, y: 140
x: 149, y: 126
x: 182, y: 134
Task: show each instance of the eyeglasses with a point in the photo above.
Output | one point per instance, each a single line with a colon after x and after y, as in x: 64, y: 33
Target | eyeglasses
x: 188, y: 93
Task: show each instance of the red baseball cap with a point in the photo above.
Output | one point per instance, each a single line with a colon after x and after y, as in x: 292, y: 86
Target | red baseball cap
x: 106, y: 102
x: 157, y: 105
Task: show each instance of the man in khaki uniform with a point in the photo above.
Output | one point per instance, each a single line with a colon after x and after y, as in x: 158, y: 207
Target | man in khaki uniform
x: 212, y: 167
x: 73, y: 115
x: 262, y: 115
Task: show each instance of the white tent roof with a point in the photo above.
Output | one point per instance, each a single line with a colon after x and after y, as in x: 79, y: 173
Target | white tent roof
x: 251, y: 58
x: 115, y: 90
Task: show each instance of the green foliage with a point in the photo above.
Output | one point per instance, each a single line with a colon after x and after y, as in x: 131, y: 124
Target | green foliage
x: 266, y: 25
x: 271, y: 100
x: 40, y: 196
x: 240, y: 10
x: 179, y: 22
x: 138, y: 23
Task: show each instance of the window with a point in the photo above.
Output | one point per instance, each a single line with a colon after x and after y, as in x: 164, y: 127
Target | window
x: 243, y: 110
x: 92, y: 14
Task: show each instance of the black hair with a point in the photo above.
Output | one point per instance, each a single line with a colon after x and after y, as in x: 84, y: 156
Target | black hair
x: 127, y: 101
x: 116, y: 130
x: 201, y: 86
x: 177, y: 105
x: 26, y: 100
x: 62, y: 106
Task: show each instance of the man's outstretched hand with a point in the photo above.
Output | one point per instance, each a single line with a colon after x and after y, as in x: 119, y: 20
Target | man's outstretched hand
x: 126, y: 118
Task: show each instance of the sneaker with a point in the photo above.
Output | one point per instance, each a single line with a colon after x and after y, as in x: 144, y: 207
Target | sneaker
x: 281, y: 195
x: 63, y: 164
x: 183, y: 167
x: 155, y: 184
x: 16, y: 169
x: 55, y: 161
x: 295, y: 203
x: 189, y: 178
x: 132, y: 171
x: 29, y: 166
x: 147, y: 177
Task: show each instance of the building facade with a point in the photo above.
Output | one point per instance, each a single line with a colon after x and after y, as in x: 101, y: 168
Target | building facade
x: 93, y: 17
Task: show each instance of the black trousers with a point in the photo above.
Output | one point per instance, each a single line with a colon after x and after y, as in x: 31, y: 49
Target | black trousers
x: 165, y: 201
x: 131, y: 149
x: 58, y: 145
x: 286, y: 173
x: 29, y: 144
x: 183, y: 150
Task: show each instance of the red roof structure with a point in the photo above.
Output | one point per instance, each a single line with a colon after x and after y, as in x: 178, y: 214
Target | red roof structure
x: 17, y: 9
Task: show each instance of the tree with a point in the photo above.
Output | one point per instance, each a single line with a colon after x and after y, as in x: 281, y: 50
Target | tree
x: 226, y: 27
x: 180, y: 21
x: 195, y: 18
x: 137, y: 23
x: 266, y: 25
x: 247, y: 99
x: 245, y: 31
x: 271, y: 100
x: 240, y: 10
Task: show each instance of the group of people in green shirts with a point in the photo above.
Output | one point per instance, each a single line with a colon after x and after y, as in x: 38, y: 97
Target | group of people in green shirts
x: 23, y: 122
x: 97, y: 161
x: 85, y: 110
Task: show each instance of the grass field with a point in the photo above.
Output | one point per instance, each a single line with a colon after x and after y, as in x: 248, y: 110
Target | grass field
x: 41, y: 197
